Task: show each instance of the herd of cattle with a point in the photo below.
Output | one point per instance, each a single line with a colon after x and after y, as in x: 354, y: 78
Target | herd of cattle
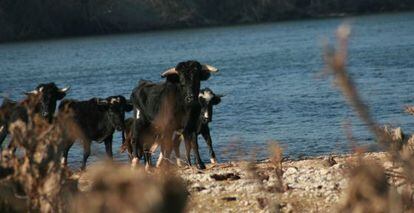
x: 163, y: 114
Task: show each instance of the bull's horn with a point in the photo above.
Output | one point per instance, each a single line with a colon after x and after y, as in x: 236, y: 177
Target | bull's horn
x: 210, y: 68
x: 33, y: 92
x: 64, y: 89
x: 220, y: 95
x: 169, y: 72
x: 101, y: 101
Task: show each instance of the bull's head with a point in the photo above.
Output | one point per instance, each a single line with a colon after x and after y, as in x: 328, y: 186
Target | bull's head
x: 49, y: 94
x: 189, y: 74
x: 207, y: 99
x: 117, y: 106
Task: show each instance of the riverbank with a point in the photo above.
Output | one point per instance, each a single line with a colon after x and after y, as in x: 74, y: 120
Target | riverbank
x: 318, y: 184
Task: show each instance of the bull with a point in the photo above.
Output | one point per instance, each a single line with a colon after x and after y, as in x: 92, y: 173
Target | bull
x: 97, y: 119
x: 163, y: 108
x: 47, y: 95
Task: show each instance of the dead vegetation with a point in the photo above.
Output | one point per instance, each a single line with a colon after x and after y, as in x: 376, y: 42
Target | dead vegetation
x: 38, y: 177
x: 33, y: 179
x: 117, y: 188
x: 369, y: 189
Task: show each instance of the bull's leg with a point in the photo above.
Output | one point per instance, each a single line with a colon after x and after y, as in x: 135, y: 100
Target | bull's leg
x: 129, y: 150
x: 147, y: 159
x: 136, y: 145
x: 127, y: 144
x: 160, y: 159
x: 176, y: 144
x: 86, y: 153
x: 123, y: 137
x: 108, y: 146
x: 167, y: 145
x: 12, y: 147
x: 187, y: 149
x: 161, y: 155
x: 3, y: 134
x: 194, y: 146
x: 205, y: 132
x: 66, y: 152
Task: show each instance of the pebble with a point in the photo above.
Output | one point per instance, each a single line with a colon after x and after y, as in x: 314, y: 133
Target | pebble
x: 324, y: 172
x: 206, y: 191
x: 290, y: 171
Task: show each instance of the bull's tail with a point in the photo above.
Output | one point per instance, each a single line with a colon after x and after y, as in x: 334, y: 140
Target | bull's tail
x: 123, y: 145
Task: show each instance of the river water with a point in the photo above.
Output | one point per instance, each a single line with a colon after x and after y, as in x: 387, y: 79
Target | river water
x: 269, y: 74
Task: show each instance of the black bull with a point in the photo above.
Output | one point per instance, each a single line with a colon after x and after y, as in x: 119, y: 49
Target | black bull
x: 167, y: 107
x: 46, y: 95
x: 97, y: 119
x: 206, y: 100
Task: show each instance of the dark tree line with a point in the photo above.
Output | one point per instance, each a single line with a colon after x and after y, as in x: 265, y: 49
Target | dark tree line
x: 31, y: 19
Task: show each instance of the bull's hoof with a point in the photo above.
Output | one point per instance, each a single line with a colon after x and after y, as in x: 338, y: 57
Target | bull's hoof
x: 213, y: 160
x: 178, y: 161
x: 62, y: 161
x: 134, y: 163
x: 147, y: 167
x: 159, y: 161
x: 201, y: 166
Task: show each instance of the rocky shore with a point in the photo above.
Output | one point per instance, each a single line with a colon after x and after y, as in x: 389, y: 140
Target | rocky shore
x: 318, y: 184
x: 312, y: 185
x: 351, y: 183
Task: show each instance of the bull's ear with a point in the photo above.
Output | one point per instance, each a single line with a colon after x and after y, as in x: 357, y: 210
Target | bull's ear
x: 101, y: 101
x: 216, y: 100
x: 204, y: 75
x: 128, y: 106
x: 62, y: 93
x: 173, y: 78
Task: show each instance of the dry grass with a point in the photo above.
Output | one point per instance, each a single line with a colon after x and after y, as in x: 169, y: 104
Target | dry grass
x: 369, y: 190
x: 277, y: 160
x: 37, y: 174
x: 116, y: 188
x: 34, y: 180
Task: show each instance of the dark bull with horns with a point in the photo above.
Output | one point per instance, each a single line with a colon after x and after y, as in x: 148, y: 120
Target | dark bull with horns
x: 163, y: 108
x: 47, y: 94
